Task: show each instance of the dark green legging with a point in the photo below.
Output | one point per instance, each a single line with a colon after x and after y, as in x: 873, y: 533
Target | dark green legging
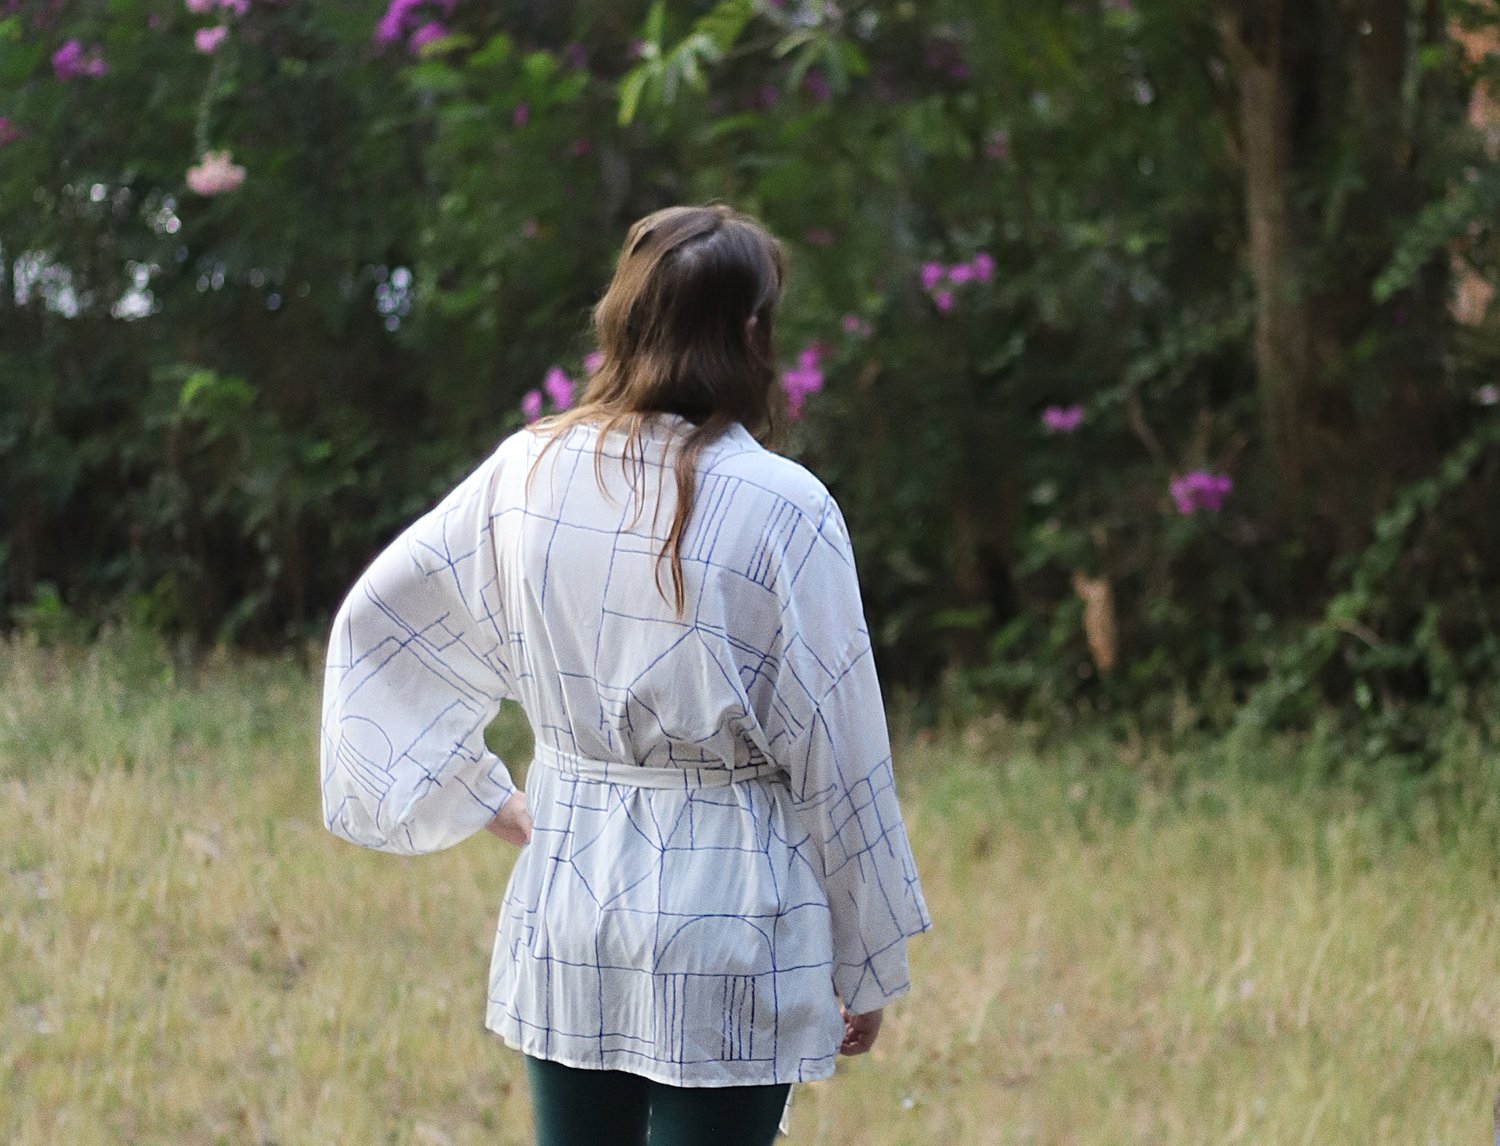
x: 574, y: 1107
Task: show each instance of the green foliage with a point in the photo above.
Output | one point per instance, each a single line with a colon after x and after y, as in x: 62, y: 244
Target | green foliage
x: 215, y: 408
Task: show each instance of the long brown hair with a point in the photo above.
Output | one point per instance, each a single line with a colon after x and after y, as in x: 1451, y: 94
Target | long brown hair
x: 685, y: 328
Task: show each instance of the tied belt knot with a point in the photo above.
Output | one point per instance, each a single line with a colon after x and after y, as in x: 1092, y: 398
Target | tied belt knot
x: 680, y: 778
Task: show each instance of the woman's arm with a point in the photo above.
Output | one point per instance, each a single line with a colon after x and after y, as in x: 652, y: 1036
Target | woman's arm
x: 838, y: 757
x: 415, y: 672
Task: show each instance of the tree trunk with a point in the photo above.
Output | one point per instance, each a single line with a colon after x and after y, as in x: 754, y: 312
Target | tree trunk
x: 1325, y: 114
x: 1253, y: 45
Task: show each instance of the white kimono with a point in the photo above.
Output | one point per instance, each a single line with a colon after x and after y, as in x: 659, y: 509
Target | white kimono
x: 717, y: 846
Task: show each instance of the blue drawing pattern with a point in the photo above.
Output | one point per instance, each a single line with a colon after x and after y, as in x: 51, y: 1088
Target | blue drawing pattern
x: 717, y: 845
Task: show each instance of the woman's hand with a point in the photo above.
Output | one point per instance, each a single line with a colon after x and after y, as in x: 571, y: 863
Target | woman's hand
x: 513, y: 823
x: 859, y: 1030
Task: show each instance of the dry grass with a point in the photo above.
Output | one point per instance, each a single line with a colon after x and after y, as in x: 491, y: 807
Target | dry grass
x: 192, y: 959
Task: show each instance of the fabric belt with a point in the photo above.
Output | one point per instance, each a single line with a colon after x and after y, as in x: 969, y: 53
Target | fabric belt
x: 681, y: 779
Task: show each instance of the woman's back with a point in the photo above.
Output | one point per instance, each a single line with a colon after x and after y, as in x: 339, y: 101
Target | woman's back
x: 609, y: 670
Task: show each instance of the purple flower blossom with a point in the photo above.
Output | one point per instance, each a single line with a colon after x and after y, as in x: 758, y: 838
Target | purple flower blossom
x: 857, y: 326
x: 768, y: 95
x: 984, y: 266
x: 798, y: 385
x: 531, y: 405
x: 806, y: 378
x: 816, y: 86
x: 426, y: 34
x: 398, y: 18
x: 592, y: 361
x: 943, y: 300
x: 960, y: 274
x: 1199, y: 490
x: 9, y: 132
x: 576, y: 55
x: 522, y: 114
x: 393, y: 23
x: 70, y: 61
x: 559, y: 387
x: 1062, y: 419
x: 207, y: 40
x: 200, y: 7
x: 238, y: 7
x: 932, y: 275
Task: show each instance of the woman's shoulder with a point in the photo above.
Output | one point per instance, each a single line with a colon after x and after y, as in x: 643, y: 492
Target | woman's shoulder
x: 772, y: 475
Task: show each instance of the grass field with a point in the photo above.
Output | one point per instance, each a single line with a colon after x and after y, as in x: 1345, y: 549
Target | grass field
x: 1130, y: 947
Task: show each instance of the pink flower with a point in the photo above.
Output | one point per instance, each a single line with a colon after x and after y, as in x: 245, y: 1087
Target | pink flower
x: 9, y: 132
x: 428, y: 32
x: 200, y: 7
x: 70, y: 61
x: 806, y: 378
x: 932, y: 274
x: 238, y: 7
x: 592, y: 361
x: 394, y: 23
x: 1199, y: 490
x: 799, y: 384
x: 207, y: 40
x: 943, y: 300
x: 997, y: 146
x: 984, y: 266
x: 388, y: 30
x: 857, y: 326
x: 215, y: 174
x: 531, y: 405
x: 960, y: 274
x: 559, y: 388
x: 1062, y: 419
x: 522, y: 115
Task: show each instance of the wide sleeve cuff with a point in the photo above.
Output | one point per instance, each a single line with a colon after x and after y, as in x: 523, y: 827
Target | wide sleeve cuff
x: 415, y: 673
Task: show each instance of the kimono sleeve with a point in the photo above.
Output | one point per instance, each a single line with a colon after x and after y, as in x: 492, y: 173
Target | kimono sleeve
x: 415, y: 672
x: 839, y: 764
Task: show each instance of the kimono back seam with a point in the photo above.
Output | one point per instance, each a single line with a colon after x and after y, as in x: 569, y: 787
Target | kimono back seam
x: 694, y: 935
